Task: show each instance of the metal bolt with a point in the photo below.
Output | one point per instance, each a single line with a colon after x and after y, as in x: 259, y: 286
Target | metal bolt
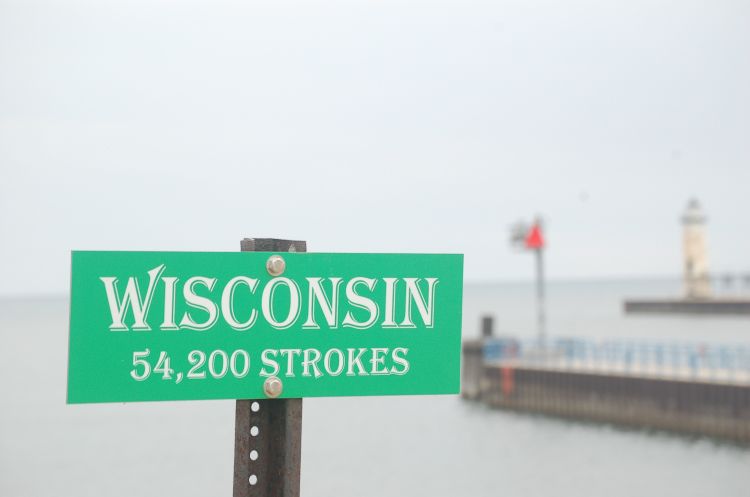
x: 272, y: 387
x: 275, y: 265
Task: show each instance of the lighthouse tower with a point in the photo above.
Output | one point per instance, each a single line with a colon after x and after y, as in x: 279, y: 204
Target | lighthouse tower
x: 697, y: 283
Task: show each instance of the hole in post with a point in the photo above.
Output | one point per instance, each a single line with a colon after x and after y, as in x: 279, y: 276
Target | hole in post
x: 253, y: 455
x: 254, y: 431
x: 253, y: 479
x: 255, y: 407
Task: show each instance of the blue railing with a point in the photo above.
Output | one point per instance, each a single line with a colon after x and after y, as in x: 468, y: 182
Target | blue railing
x: 664, y: 358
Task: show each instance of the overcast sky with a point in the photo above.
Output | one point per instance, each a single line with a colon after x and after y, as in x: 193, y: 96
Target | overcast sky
x: 373, y: 126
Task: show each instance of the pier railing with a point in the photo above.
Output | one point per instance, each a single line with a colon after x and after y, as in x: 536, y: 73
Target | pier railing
x: 674, y: 360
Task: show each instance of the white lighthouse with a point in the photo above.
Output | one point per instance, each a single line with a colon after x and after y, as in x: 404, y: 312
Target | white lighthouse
x: 697, y: 283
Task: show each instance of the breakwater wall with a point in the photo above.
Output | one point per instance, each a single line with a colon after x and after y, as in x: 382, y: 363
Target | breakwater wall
x: 685, y: 306
x: 707, y: 407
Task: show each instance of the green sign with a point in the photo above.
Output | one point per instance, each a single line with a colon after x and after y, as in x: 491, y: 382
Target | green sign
x: 195, y: 325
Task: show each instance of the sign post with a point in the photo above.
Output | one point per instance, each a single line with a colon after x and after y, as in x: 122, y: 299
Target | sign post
x: 268, y: 433
x: 272, y: 323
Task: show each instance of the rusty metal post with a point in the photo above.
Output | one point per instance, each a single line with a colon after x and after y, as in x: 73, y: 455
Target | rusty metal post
x: 268, y: 433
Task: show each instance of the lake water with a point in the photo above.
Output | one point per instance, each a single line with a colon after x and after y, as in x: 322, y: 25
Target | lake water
x: 415, y: 446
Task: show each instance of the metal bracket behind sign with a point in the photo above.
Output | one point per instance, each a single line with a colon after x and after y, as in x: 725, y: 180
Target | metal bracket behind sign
x: 268, y: 432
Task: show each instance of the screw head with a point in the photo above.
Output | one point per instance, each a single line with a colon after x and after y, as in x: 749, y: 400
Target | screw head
x: 272, y: 387
x: 275, y: 265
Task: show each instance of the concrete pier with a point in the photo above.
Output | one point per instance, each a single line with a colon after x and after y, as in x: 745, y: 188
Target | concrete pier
x: 712, y: 408
x: 687, y: 306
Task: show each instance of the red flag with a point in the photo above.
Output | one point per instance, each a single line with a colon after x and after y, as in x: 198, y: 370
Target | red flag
x: 534, y: 239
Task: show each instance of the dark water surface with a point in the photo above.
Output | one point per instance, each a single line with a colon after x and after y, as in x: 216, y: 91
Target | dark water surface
x: 416, y: 446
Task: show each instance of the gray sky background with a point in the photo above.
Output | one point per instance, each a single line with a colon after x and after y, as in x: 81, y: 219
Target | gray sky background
x: 388, y: 126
